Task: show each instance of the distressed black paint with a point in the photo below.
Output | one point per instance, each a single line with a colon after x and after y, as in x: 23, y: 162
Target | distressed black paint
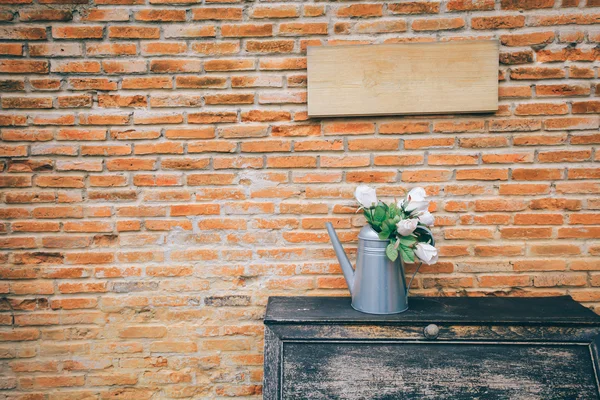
x: 487, y: 348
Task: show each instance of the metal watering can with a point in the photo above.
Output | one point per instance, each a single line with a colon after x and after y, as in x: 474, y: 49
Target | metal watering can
x: 377, y: 285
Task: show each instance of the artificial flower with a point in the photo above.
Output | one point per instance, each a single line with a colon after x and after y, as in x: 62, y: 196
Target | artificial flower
x: 426, y: 253
x: 416, y: 200
x: 406, y: 226
x: 426, y: 218
x: 366, y: 196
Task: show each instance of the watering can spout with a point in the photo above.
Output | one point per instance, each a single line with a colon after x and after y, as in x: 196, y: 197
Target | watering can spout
x: 342, y: 257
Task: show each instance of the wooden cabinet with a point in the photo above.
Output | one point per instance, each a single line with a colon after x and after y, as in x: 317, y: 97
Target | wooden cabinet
x: 441, y: 348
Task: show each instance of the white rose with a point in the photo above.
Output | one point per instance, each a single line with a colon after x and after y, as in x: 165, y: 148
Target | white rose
x: 366, y: 196
x: 406, y: 226
x: 426, y: 218
x: 426, y: 253
x: 416, y: 200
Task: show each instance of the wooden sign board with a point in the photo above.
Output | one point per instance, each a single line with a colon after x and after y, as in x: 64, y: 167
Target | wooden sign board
x: 416, y: 78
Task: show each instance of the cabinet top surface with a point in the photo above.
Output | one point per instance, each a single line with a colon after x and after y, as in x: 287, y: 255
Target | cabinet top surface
x: 461, y: 310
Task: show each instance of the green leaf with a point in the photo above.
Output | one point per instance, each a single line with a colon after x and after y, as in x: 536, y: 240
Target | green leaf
x: 391, y: 252
x: 384, y: 234
x: 406, y: 253
x: 386, y: 231
x: 408, y: 241
x: 379, y: 214
x: 389, y: 224
x: 388, y: 228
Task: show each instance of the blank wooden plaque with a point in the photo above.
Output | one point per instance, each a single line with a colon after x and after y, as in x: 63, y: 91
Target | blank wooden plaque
x: 417, y: 78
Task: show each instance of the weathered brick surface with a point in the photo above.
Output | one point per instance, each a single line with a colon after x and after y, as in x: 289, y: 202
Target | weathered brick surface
x: 160, y: 178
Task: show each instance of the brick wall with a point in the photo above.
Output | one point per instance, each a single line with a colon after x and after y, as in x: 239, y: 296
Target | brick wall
x: 161, y: 178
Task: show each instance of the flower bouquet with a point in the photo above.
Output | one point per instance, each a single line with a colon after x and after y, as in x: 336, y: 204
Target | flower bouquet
x: 404, y: 223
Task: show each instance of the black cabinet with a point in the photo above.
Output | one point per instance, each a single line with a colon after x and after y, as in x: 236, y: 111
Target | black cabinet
x: 441, y: 348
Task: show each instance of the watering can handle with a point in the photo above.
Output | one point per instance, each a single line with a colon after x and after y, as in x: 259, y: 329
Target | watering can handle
x: 411, y: 279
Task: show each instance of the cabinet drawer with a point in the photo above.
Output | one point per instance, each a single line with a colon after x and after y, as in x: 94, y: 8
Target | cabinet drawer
x: 437, y: 370
x: 445, y: 332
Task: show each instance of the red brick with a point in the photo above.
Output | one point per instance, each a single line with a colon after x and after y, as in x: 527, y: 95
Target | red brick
x: 562, y: 90
x: 216, y: 48
x: 579, y: 233
x: 210, y: 179
x: 26, y: 102
x: 105, y: 15
x: 188, y: 31
x: 133, y: 32
x: 352, y: 128
x: 515, y: 125
x: 77, y: 32
x: 541, y: 109
x: 92, y: 83
x: 212, y: 117
x: 195, y: 209
x: 381, y: 26
x: 217, y: 13
x: 11, y: 85
x: 156, y: 15
x: 318, y: 145
x: 147, y: 83
x: 452, y: 159
x: 22, y: 33
x: 372, y: 144
x: 536, y: 73
x: 55, y: 50
x: 482, y: 174
x: 311, y: 10
x: 274, y: 12
x: 291, y: 162
x: 24, y: 66
x: 526, y: 4
x: 76, y: 67
x: 360, y: 10
x: 437, y: 24
x: 459, y: 126
x: 200, y: 82
x: 564, y: 156
x: 427, y: 176
x: 586, y: 107
x: 555, y: 204
x: 163, y: 48
x: 282, y: 64
x: 498, y: 22
x: 534, y: 140
x: 45, y: 15
x: 573, y: 123
x: 29, y: 135
x: 175, y: 66
x: 577, y: 72
x: 299, y: 28
x: 221, y: 99
x: 45, y: 84
x: 229, y: 65
x: 525, y: 233
x: 248, y: 30
x: 470, y: 5
x: 416, y: 7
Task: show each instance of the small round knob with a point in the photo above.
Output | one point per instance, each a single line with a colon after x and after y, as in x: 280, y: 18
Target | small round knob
x: 431, y: 331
